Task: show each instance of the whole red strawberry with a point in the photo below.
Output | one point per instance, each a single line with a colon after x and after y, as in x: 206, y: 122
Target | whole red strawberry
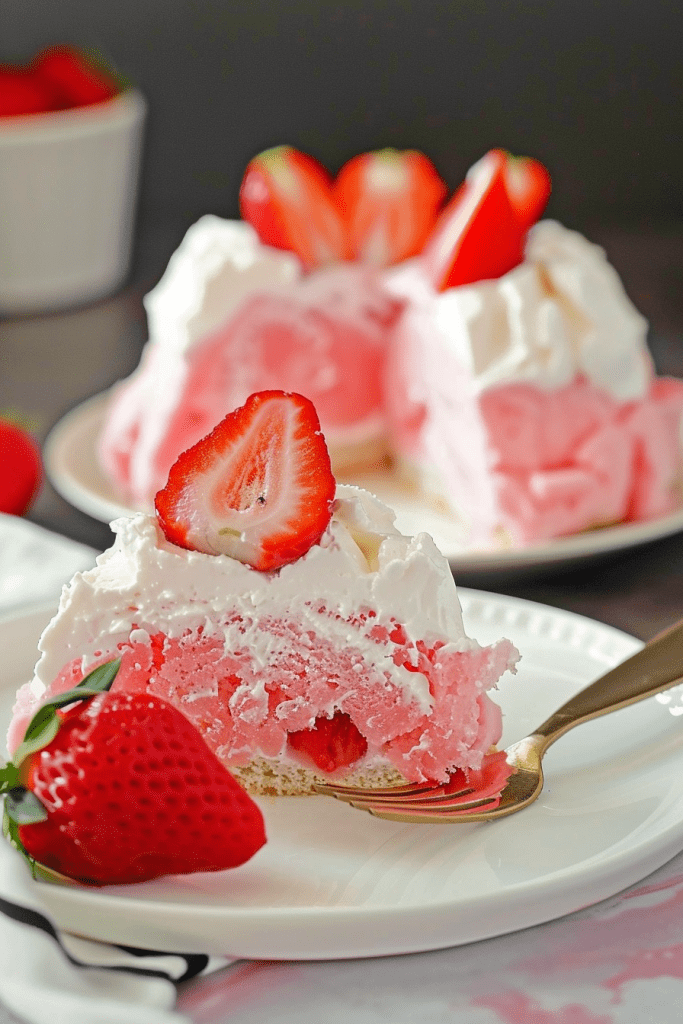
x: 22, y: 92
x: 259, y: 487
x: 72, y: 79
x: 124, y: 790
x: 20, y: 468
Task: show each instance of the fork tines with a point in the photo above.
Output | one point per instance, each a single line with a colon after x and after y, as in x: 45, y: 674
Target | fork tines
x: 421, y: 802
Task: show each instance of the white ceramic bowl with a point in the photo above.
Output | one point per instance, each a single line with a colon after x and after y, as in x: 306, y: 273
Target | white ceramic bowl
x: 68, y: 185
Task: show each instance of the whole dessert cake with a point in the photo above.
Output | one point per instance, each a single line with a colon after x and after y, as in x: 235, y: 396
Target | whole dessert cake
x: 494, y: 361
x: 289, y: 621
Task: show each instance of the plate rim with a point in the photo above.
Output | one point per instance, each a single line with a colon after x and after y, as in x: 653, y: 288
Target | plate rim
x: 573, y: 549
x: 555, y: 895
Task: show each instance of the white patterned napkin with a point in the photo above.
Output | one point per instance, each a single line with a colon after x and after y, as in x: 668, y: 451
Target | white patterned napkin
x: 47, y: 977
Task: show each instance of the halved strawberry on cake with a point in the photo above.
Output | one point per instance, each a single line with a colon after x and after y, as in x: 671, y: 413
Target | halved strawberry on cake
x: 289, y: 621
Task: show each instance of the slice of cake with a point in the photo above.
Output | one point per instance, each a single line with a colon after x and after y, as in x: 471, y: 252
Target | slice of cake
x: 341, y: 656
x: 521, y: 395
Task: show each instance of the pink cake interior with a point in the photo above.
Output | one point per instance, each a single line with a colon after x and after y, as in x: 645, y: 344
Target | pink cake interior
x: 575, y: 458
x: 245, y: 709
x: 542, y: 463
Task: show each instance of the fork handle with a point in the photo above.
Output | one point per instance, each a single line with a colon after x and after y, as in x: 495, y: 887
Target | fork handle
x: 658, y: 666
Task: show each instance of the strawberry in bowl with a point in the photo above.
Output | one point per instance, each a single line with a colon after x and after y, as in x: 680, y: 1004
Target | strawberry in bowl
x: 70, y: 150
x: 58, y: 78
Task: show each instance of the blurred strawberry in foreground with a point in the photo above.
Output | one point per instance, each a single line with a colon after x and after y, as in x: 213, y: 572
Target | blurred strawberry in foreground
x: 286, y: 196
x: 20, y: 468
x: 258, y: 488
x: 481, y: 233
x: 390, y: 200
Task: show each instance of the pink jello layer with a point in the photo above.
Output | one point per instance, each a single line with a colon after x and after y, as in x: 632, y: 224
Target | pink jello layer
x: 244, y: 709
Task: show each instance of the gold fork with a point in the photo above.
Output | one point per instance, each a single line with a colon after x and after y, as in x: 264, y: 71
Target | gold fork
x: 658, y: 666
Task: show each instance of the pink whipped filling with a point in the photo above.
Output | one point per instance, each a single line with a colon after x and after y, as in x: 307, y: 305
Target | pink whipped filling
x: 574, y: 458
x: 244, y: 709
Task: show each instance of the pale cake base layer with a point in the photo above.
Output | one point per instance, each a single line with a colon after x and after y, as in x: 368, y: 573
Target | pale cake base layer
x: 264, y: 776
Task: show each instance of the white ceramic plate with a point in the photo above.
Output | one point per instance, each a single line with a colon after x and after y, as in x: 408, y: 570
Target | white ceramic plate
x: 333, y: 882
x: 72, y: 465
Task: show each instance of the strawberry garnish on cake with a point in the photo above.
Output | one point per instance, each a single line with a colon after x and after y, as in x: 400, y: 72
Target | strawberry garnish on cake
x: 481, y: 233
x: 286, y: 195
x: 119, y: 788
x: 259, y: 487
x: 528, y: 186
x: 379, y: 209
x: 390, y: 199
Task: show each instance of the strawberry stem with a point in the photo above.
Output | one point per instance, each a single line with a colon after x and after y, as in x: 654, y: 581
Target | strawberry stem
x: 44, y: 725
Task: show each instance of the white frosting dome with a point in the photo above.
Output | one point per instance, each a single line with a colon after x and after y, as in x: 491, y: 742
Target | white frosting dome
x: 562, y: 312
x: 361, y: 560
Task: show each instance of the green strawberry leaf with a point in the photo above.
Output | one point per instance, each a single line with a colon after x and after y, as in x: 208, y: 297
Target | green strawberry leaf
x: 10, y: 830
x: 9, y: 777
x: 44, y: 725
x: 24, y: 807
x: 21, y: 806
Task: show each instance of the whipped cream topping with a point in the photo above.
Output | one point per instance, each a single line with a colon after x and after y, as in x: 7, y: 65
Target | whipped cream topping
x: 362, y: 561
x: 218, y: 264
x: 561, y: 313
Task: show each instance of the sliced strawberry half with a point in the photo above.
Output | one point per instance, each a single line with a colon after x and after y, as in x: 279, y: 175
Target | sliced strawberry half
x: 259, y: 487
x: 478, y: 235
x: 528, y: 186
x: 332, y: 744
x: 390, y: 200
x: 286, y: 196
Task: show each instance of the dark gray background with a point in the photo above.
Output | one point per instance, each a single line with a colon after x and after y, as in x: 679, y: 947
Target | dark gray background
x: 592, y: 88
